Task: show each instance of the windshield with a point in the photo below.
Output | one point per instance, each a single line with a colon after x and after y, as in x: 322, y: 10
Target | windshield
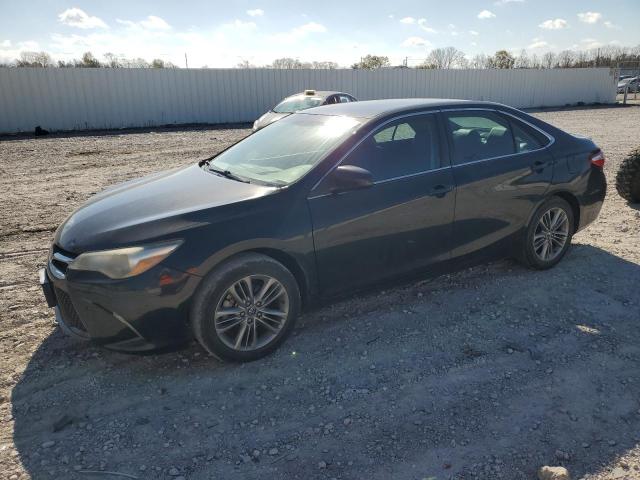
x: 284, y: 151
x: 298, y: 102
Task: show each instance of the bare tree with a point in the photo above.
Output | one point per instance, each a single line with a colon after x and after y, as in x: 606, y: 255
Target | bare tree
x: 35, y: 59
x: 548, y: 60
x: 535, y: 61
x: 522, y: 60
x: 111, y: 60
x: 245, y: 64
x: 479, y: 61
x: 325, y: 65
x: 448, y: 57
x: 286, y: 63
x: 566, y: 59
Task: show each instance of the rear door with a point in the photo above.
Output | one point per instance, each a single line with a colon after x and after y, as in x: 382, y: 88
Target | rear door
x: 401, y: 223
x: 502, y: 170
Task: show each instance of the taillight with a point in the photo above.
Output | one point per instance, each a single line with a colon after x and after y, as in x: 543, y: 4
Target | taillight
x: 597, y: 159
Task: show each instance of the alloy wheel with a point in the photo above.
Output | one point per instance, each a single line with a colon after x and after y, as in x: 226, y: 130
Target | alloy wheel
x: 251, y: 312
x: 551, y: 234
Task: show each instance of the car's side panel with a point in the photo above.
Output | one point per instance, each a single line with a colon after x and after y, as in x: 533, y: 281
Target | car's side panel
x: 365, y: 236
x: 575, y: 177
x: 277, y: 222
x: 396, y: 226
x: 495, y: 197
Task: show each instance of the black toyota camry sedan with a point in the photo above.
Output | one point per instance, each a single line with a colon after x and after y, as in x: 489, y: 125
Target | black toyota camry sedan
x: 323, y: 202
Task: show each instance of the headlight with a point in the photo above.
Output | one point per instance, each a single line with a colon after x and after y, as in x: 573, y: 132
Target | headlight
x: 124, y: 262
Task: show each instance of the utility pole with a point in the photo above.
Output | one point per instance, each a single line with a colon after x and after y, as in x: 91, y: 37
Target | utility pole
x: 186, y: 62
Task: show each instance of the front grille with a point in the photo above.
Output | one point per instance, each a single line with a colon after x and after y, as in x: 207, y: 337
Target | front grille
x: 68, y: 311
x: 60, y: 260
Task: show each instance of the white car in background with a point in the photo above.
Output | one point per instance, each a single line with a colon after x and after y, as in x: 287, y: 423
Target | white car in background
x: 301, y: 101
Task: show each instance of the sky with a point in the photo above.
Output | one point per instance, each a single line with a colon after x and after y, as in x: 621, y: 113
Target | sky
x: 222, y: 34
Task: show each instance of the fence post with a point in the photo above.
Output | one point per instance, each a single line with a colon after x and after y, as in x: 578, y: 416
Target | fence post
x: 626, y: 89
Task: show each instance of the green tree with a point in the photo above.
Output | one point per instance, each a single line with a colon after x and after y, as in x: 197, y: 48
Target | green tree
x: 502, y: 59
x: 371, y: 62
x: 89, y: 61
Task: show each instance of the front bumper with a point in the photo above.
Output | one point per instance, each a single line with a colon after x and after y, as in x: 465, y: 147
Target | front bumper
x: 142, y: 313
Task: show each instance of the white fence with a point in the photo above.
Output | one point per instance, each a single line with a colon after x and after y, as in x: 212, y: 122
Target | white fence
x: 80, y: 99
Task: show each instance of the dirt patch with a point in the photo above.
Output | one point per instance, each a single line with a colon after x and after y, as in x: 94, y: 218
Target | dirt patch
x: 487, y: 373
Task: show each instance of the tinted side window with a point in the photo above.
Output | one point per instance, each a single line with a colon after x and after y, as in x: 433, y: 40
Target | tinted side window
x: 478, y: 135
x: 404, y: 147
x: 344, y: 99
x: 527, y: 138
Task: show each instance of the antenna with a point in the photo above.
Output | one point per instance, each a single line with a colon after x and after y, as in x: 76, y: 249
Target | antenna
x: 186, y: 62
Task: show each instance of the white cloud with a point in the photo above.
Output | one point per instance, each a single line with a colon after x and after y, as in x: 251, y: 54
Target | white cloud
x: 416, y: 42
x: 408, y: 20
x: 239, y: 24
x: 473, y: 32
x: 554, y: 24
x: 589, y: 43
x: 298, y: 33
x: 74, y: 17
x: 484, y: 14
x: 10, y: 51
x: 391, y: 15
x: 150, y: 23
x: 155, y: 23
x: 311, y: 27
x: 590, y: 17
x: 538, y: 43
x: 422, y: 23
x: 502, y: 3
x: 609, y: 24
x: 256, y: 12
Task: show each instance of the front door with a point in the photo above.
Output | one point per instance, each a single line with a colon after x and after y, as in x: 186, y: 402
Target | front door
x: 401, y: 223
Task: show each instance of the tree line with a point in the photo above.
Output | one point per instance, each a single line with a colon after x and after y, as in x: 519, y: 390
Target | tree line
x: 439, y: 58
x: 88, y: 60
x: 451, y: 57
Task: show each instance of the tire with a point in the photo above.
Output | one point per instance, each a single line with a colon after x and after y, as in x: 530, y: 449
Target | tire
x: 628, y: 177
x: 532, y: 250
x: 260, y: 332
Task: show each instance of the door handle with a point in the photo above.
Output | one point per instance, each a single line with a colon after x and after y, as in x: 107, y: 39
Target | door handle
x: 440, y: 190
x: 540, y: 165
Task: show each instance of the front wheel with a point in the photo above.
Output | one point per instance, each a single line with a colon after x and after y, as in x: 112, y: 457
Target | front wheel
x: 549, y: 234
x: 246, y: 308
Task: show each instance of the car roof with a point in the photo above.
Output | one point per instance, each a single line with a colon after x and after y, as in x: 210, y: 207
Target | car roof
x: 377, y: 108
x: 318, y: 93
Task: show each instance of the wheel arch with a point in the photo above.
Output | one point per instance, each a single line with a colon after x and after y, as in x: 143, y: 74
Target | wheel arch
x: 572, y: 200
x: 568, y: 197
x: 291, y: 264
x: 302, y: 275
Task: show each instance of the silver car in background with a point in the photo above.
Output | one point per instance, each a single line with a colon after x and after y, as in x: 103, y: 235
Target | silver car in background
x: 301, y: 101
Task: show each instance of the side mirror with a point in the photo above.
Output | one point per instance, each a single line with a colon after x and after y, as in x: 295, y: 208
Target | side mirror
x: 349, y: 177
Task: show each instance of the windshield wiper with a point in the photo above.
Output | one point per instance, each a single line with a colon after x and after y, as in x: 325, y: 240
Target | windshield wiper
x: 226, y: 174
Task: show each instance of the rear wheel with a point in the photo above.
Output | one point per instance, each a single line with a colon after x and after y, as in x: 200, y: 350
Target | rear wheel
x: 246, y: 308
x: 549, y: 234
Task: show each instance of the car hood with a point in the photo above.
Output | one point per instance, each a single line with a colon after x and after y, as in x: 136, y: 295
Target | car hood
x: 152, y: 207
x: 269, y: 118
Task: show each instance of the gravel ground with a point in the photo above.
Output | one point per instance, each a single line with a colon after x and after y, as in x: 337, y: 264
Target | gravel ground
x: 486, y: 373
